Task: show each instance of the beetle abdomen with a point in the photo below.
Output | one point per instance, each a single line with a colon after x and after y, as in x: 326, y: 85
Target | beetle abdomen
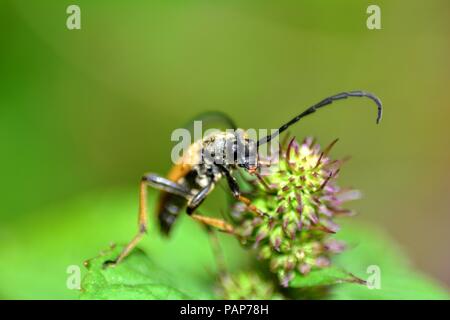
x: 170, y: 206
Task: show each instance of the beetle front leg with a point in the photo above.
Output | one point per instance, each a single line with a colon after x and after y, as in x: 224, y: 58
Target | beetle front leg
x: 234, y: 186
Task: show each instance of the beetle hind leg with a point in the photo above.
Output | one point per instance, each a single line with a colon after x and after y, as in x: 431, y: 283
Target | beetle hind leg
x: 158, y: 183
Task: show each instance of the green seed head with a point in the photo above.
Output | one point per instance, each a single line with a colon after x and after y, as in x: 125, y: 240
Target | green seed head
x: 247, y: 286
x: 295, y: 239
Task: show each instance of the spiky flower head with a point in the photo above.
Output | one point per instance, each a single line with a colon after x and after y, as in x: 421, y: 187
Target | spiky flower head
x: 247, y: 286
x: 301, y: 205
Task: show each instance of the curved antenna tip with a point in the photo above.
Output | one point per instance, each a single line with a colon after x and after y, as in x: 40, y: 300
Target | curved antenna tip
x: 380, y: 110
x: 378, y: 103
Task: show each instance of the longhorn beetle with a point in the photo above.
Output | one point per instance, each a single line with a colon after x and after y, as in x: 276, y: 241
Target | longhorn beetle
x: 196, y: 173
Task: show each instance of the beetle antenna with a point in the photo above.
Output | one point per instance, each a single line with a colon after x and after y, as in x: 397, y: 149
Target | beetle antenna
x: 323, y: 103
x: 212, y: 117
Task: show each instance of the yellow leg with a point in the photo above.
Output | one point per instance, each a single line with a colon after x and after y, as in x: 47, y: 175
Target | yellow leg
x: 252, y: 207
x: 213, y: 222
x: 142, y: 223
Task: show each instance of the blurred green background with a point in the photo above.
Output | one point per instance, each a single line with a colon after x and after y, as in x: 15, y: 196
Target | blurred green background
x: 84, y: 113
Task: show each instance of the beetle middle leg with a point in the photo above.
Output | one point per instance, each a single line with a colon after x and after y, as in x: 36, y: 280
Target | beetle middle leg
x: 196, y: 201
x: 220, y: 224
x: 217, y: 251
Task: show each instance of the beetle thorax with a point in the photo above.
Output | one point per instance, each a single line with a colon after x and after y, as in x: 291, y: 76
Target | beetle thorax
x: 219, y: 149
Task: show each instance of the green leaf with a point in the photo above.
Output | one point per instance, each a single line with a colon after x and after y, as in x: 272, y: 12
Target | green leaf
x: 323, y: 277
x: 399, y: 279
x: 136, y: 277
x: 35, y: 260
x: 370, y: 247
